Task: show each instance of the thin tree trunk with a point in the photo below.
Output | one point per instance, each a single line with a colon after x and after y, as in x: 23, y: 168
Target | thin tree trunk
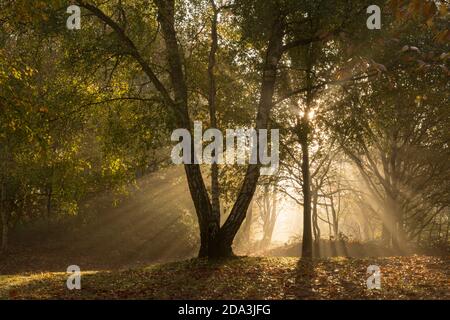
x: 215, y: 191
x: 5, y: 230
x: 440, y: 229
x: 447, y: 232
x: 315, y: 219
x: 303, y: 135
x: 4, y: 217
x: 307, y: 233
x: 335, y: 220
x: 273, y: 216
x: 49, y: 202
x: 248, y: 223
x: 316, y: 228
x: 329, y: 222
x: 430, y: 235
x: 266, y: 212
x: 270, y: 218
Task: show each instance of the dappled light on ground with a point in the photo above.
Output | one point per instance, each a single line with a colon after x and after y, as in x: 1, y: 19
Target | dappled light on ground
x: 416, y: 277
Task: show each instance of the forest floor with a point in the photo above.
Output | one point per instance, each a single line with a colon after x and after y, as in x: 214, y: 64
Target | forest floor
x: 414, y: 277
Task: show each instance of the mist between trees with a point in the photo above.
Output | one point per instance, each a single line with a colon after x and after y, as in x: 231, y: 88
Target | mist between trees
x: 86, y: 117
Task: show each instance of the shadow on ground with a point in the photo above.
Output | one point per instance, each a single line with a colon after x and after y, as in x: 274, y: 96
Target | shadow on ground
x: 417, y: 277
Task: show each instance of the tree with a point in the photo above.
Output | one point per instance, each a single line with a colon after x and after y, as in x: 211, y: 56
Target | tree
x: 267, y: 201
x: 215, y: 241
x: 59, y: 144
x: 392, y: 132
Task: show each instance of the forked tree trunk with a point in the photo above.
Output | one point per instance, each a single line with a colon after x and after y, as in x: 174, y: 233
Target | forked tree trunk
x: 219, y: 240
x: 215, y: 241
x: 239, y: 210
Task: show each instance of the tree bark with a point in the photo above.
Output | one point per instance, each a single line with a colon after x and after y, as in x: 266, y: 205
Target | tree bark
x: 303, y: 136
x: 4, y: 217
x: 5, y: 230
x: 315, y: 221
x: 334, y: 215
x: 248, y: 223
x: 447, y: 232
x: 306, y: 188
x: 269, y: 216
x: 49, y: 202
x: 245, y: 236
x: 215, y: 191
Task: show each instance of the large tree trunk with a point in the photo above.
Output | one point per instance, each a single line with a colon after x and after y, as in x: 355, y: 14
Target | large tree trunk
x: 394, y: 224
x: 386, y: 234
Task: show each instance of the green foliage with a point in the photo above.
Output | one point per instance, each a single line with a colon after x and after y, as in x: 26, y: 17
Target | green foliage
x: 80, y: 117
